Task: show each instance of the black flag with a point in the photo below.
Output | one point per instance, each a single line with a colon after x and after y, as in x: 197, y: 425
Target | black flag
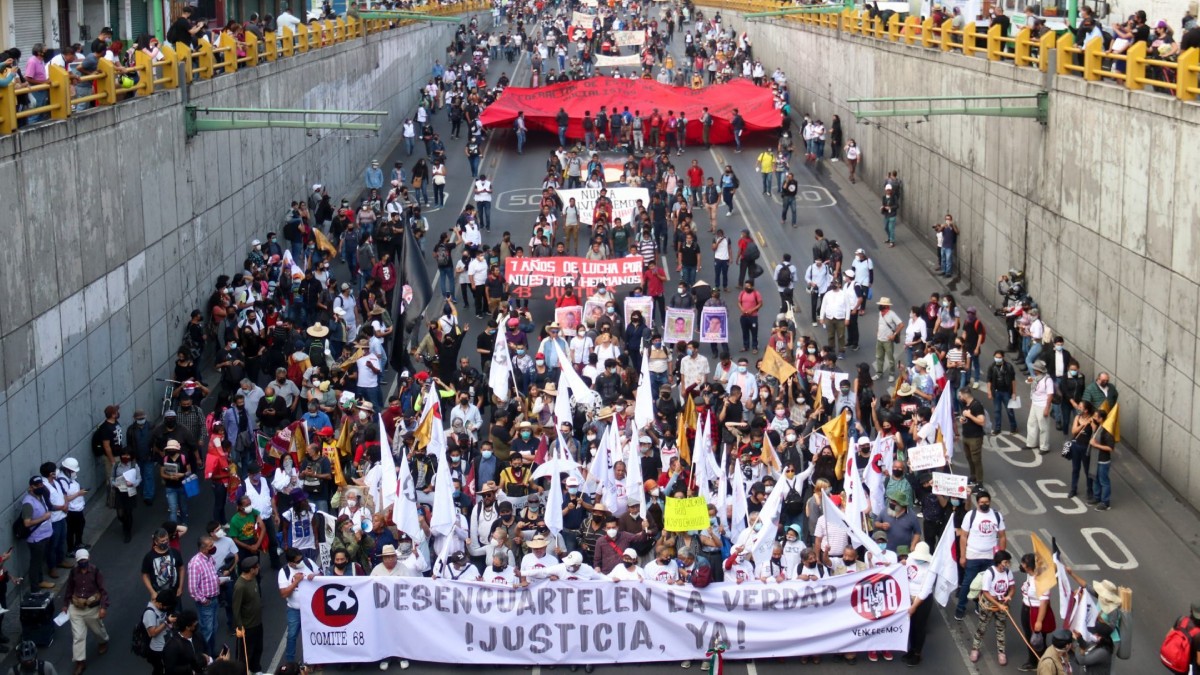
x: 415, y: 275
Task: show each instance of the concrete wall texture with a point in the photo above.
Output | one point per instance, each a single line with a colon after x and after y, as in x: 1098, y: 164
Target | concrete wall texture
x: 115, y: 227
x: 1099, y: 207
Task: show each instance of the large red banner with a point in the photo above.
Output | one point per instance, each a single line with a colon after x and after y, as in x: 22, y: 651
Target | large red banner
x: 541, y: 104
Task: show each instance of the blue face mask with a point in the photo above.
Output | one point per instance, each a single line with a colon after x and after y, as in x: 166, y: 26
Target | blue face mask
x: 572, y: 491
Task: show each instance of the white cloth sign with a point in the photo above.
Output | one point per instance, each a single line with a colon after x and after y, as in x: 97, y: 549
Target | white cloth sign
x: 629, y: 38
x: 926, y: 457
x: 366, y: 619
x: 950, y: 485
x: 604, y: 61
x: 581, y: 19
x: 624, y: 200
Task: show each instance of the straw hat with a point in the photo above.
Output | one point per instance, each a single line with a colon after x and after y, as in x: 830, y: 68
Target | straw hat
x: 489, y: 486
x: 538, y: 542
x: 906, y: 389
x: 317, y: 330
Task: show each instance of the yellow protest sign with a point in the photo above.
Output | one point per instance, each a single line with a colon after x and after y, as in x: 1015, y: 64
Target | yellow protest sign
x: 682, y: 515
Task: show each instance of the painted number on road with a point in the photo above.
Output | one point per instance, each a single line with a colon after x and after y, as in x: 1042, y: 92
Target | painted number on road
x: 525, y: 200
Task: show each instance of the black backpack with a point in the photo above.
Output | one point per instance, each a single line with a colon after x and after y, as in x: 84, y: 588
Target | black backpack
x: 751, y: 253
x: 784, y: 277
x: 793, y: 502
x: 441, y: 256
x: 97, y: 441
x: 139, y: 643
x: 20, y: 531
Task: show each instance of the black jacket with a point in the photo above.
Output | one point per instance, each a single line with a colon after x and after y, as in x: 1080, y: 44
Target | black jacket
x: 1001, y: 376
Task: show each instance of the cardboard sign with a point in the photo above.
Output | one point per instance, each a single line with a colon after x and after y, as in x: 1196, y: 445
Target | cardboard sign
x: 682, y: 515
x: 926, y: 457
x: 950, y: 485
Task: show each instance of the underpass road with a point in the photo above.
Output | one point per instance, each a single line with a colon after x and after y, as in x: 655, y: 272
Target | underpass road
x: 1149, y: 541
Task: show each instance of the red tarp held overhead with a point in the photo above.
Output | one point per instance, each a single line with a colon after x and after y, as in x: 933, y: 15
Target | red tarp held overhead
x: 541, y: 104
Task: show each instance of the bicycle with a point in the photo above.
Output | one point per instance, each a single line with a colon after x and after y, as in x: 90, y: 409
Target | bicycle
x: 168, y: 395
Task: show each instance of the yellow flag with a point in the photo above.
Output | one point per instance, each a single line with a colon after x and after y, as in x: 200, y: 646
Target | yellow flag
x: 1112, y: 423
x: 344, y: 438
x: 1045, y: 574
x: 770, y: 458
x: 330, y: 451
x: 323, y: 242
x: 687, y: 420
x: 424, y: 431
x: 300, y: 441
x: 776, y: 366
x: 838, y: 433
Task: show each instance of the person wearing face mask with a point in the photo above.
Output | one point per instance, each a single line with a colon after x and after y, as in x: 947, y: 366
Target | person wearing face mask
x: 1056, y: 660
x: 612, y: 548
x: 628, y: 570
x: 995, y: 594
x: 1071, y: 390
x: 458, y: 568
x: 901, y: 525
x: 297, y: 571
x: 981, y: 533
x: 205, y: 584
x: 1002, y: 388
x: 162, y: 566
x: 342, y: 566
x: 739, y: 565
x: 501, y: 573
x: 316, y: 477
x: 693, y: 367
x: 516, y: 481
x: 743, y: 378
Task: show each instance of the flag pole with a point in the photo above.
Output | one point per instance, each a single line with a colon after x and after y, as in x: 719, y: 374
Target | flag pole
x: 1016, y: 626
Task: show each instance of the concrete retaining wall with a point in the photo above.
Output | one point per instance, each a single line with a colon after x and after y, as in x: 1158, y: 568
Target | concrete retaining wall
x: 115, y: 226
x: 1100, y: 207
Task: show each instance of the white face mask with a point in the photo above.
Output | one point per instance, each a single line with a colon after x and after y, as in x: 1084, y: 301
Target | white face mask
x: 362, y: 415
x: 611, y: 532
x: 352, y: 503
x: 247, y: 509
x: 219, y: 534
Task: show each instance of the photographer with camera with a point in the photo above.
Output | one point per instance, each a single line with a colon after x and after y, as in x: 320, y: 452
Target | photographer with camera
x: 158, y: 618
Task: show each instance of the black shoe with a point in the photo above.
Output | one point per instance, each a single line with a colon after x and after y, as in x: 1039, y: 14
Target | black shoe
x: 1092, y: 500
x: 1102, y: 507
x: 996, y: 432
x: 1028, y: 667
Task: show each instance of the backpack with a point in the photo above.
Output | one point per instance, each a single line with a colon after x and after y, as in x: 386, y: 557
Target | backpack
x: 793, y: 502
x: 441, y: 256
x: 20, y: 530
x: 783, y: 278
x: 139, y: 643
x: 1176, y: 650
x: 751, y: 253
x: 97, y: 441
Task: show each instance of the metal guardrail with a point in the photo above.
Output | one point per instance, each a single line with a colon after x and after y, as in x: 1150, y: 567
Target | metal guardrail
x: 1180, y: 77
x: 210, y: 59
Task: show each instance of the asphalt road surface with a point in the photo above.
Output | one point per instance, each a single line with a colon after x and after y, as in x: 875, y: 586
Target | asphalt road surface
x: 1149, y: 541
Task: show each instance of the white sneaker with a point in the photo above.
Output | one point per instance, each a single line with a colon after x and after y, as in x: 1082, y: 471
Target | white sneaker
x: 404, y: 664
x: 835, y: 159
x: 685, y: 664
x: 704, y: 666
x: 384, y: 665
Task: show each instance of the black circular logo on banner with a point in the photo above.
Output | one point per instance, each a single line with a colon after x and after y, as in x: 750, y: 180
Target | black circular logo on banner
x: 335, y: 605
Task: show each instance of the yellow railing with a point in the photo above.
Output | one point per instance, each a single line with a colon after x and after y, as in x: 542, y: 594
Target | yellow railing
x: 227, y: 55
x: 1138, y: 70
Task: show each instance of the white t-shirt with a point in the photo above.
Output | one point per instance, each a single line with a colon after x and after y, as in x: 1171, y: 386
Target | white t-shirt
x: 656, y: 571
x: 483, y: 191
x: 285, y: 579
x: 1030, y: 597
x: 997, y: 583
x: 722, y: 250
x: 532, y: 562
x: 478, y: 271
x: 623, y: 573
x: 983, y: 533
x: 366, y: 376
x: 505, y: 578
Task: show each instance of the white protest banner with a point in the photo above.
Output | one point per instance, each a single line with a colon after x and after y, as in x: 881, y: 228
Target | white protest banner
x: 629, y: 38
x: 581, y: 19
x: 603, y: 61
x: 589, y: 3
x: 950, y: 485
x: 624, y: 201
x: 368, y: 619
x: 579, y: 272
x: 926, y: 457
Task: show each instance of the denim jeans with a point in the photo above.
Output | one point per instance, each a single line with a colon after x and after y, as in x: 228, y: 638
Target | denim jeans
x: 889, y: 227
x: 293, y: 634
x: 947, y: 257
x: 749, y: 332
x: 562, y: 136
x: 789, y: 204
x: 1035, y: 350
x: 208, y: 624
x: 176, y: 504
x: 410, y: 144
x: 766, y: 180
x: 37, y: 100
x: 474, y: 166
x: 148, y: 482
x: 1103, y: 483
x: 446, y: 281
x: 721, y: 278
x: 688, y: 275
x: 974, y: 568
x: 56, y: 551
x: 1001, y: 399
x: 520, y: 142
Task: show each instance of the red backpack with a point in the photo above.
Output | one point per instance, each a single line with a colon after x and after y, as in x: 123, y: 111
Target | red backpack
x: 1176, y: 650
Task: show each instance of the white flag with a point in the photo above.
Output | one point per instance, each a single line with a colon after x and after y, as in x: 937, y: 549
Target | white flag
x: 1064, y: 586
x: 445, y: 513
x: 856, y: 497
x: 635, y: 492
x: 723, y: 494
x: 883, y: 452
x: 834, y: 515
x: 500, y: 372
x: 554, y: 500
x: 404, y: 511
x: 942, y: 577
x: 943, y: 419
x: 643, y: 401
x: 738, y: 521
x: 389, y: 486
